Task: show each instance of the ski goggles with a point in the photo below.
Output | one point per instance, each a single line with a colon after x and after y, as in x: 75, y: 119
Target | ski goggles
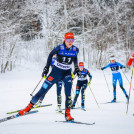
x: 70, y: 40
x: 81, y: 66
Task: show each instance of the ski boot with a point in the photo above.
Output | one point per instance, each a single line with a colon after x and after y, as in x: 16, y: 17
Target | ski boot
x: 114, y: 100
x: 82, y: 106
x: 68, y: 117
x: 27, y: 109
x: 72, y: 107
x: 38, y: 103
x: 59, y: 108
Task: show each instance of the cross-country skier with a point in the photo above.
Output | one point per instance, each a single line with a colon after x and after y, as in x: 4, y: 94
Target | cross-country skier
x: 59, y: 87
x: 131, y: 60
x: 116, y: 76
x: 82, y: 84
x: 66, y: 54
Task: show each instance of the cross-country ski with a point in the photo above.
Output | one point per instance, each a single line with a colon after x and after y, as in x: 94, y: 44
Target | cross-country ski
x: 77, y: 122
x: 16, y: 116
x: 41, y: 106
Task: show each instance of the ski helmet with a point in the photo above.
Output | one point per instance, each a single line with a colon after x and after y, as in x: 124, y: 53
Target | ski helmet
x: 112, y: 59
x: 81, y: 64
x: 132, y: 54
x: 69, y: 36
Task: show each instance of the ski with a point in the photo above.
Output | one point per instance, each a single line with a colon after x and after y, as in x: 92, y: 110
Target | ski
x: 42, y: 106
x: 71, y: 108
x: 77, y: 122
x: 83, y: 109
x: 32, y: 108
x: 111, y: 102
x: 79, y: 108
x: 60, y: 112
x: 16, y: 116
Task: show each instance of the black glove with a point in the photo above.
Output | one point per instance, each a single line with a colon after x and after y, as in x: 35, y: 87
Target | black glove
x: 77, y: 69
x: 45, y: 71
x: 122, y: 67
x: 102, y: 68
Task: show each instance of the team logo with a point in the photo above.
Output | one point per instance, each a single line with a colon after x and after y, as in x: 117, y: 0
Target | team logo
x: 77, y: 91
x: 77, y: 87
x: 45, y: 85
x: 50, y: 78
x: 74, y: 48
x: 62, y: 47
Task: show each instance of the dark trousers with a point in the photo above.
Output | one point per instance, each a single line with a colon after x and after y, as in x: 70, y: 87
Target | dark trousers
x: 56, y: 75
x: 59, y: 87
x: 81, y: 85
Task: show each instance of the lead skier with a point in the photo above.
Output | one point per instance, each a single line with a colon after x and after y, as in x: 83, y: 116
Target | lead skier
x: 66, y: 54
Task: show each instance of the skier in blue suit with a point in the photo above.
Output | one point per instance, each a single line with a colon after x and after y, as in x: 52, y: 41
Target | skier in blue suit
x: 66, y: 55
x: 115, y: 66
x: 82, y: 84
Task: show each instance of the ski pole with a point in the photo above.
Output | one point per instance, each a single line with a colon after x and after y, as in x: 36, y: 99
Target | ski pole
x: 73, y: 90
x: 37, y: 85
x: 130, y: 89
x: 106, y: 82
x: 126, y: 77
x: 94, y: 97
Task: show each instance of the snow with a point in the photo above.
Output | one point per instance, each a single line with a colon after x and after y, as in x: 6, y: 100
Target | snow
x: 15, y: 89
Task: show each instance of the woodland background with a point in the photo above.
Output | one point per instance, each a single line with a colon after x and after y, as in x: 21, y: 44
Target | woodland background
x: 30, y: 29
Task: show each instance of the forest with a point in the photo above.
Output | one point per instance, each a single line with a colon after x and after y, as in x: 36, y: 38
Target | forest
x: 30, y: 29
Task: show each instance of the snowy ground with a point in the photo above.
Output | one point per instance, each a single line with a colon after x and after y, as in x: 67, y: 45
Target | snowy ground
x: 15, y: 89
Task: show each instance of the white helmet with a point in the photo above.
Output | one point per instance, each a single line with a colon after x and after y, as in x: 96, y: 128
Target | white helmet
x: 112, y: 58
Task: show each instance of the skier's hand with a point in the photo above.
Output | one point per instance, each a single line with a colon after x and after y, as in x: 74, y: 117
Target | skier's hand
x: 122, y: 67
x: 72, y: 75
x: 77, y: 69
x: 45, y: 71
x: 102, y: 68
x: 88, y: 84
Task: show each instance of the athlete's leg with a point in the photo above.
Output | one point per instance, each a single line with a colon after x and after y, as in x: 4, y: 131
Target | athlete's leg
x: 121, y: 85
x: 76, y: 94
x: 68, y: 86
x: 51, y: 79
x: 84, y: 86
x: 114, y: 87
x: 59, y: 87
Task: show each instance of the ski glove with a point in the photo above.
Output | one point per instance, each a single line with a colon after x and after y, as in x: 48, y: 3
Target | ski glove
x: 122, y: 67
x: 72, y: 75
x: 45, y: 71
x: 76, y: 69
x: 102, y: 68
x: 88, y: 84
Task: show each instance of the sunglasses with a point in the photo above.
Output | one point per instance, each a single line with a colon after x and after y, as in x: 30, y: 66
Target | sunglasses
x: 70, y: 40
x: 81, y: 66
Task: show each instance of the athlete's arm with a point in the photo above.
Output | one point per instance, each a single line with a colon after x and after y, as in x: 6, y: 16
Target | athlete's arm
x: 53, y: 52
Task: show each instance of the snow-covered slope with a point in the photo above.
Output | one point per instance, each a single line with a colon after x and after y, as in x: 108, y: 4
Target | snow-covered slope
x: 15, y: 89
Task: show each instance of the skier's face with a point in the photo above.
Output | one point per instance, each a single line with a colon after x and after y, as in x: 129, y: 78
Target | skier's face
x: 81, y: 68
x: 112, y: 61
x: 69, y: 42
